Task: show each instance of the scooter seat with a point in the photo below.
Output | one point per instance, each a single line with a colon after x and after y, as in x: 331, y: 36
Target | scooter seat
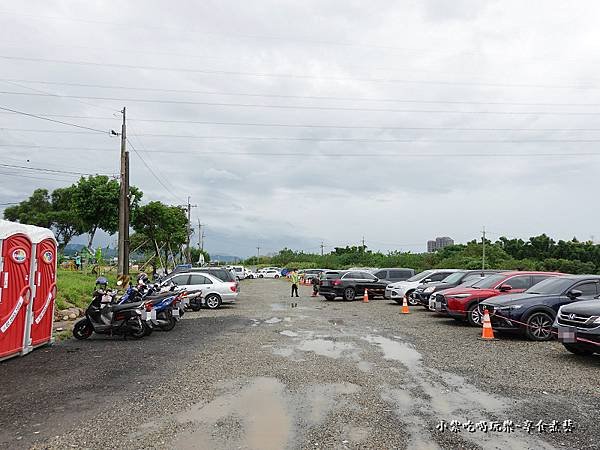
x: 116, y: 308
x: 161, y: 296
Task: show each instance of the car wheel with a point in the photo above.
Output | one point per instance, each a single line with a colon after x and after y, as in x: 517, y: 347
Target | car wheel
x: 276, y: 276
x: 474, y: 315
x: 329, y: 297
x: 261, y: 276
x: 212, y: 301
x: 349, y: 294
x: 577, y: 350
x: 539, y: 326
x: 411, y: 301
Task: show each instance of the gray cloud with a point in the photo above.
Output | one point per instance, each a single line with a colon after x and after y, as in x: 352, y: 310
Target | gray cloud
x: 517, y: 62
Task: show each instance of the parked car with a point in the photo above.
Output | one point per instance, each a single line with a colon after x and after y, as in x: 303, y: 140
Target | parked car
x: 214, y: 291
x: 271, y: 273
x: 240, y: 272
x: 578, y: 326
x: 350, y: 283
x: 397, y: 291
x: 309, y: 274
x: 423, y: 292
x: 393, y: 275
x: 437, y: 302
x: 532, y: 313
x: 462, y: 303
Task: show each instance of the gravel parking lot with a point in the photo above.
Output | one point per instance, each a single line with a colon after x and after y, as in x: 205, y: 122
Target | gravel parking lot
x: 267, y: 374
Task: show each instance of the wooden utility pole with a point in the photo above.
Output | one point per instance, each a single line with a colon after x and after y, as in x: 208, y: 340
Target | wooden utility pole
x: 189, y: 230
x: 123, y: 254
x: 483, y: 255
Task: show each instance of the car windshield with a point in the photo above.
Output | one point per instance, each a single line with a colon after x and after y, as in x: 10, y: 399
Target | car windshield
x: 554, y: 285
x: 489, y: 282
x: 421, y: 275
x: 454, y: 278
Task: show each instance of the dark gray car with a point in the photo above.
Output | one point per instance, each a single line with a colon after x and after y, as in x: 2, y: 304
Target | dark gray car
x: 393, y: 274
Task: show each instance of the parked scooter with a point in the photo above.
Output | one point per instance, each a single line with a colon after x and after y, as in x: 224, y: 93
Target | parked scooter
x: 105, y: 317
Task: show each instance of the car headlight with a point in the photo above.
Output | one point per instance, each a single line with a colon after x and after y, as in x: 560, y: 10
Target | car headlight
x: 597, y: 321
x: 508, y: 308
x: 458, y: 295
x: 429, y: 290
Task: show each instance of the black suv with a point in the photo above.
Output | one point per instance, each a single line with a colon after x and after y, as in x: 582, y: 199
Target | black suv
x: 578, y: 327
x: 350, y: 283
x: 532, y: 312
x: 393, y: 275
x: 422, y: 293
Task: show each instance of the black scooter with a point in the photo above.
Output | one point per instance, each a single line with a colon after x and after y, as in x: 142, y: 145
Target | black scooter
x: 103, y: 317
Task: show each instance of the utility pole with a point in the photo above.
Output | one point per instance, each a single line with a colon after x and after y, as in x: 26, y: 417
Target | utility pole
x: 322, y: 247
x: 257, y: 253
x: 363, y: 243
x: 201, y: 235
x: 483, y: 245
x: 189, y: 231
x: 123, y: 253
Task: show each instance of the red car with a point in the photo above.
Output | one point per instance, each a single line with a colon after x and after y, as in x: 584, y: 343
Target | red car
x: 462, y: 303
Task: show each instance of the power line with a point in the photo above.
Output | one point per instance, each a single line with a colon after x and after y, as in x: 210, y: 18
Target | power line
x: 312, y: 107
x: 47, y: 170
x: 150, y: 169
x: 319, y: 153
x: 51, y: 120
x: 299, y: 97
x: 34, y: 177
x: 294, y: 76
x: 285, y: 125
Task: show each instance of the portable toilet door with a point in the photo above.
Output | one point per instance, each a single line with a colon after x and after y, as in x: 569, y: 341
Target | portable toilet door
x: 44, y: 282
x: 15, y: 250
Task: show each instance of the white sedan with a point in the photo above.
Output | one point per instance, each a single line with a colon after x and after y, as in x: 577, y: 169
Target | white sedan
x: 271, y: 273
x: 214, y: 291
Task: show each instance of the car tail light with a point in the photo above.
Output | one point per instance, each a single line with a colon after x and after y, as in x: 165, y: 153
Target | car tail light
x: 337, y: 282
x: 233, y: 288
x: 148, y: 306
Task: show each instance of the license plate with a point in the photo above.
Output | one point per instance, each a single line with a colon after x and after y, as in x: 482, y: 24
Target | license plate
x: 438, y: 306
x: 176, y: 312
x: 567, y: 334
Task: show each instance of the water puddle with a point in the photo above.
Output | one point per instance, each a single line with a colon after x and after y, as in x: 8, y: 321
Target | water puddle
x: 397, y: 351
x: 273, y: 320
x: 288, y: 333
x: 328, y: 348
x: 256, y: 417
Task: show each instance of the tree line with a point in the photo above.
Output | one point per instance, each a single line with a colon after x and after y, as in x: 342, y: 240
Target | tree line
x: 92, y: 204
x: 538, y: 253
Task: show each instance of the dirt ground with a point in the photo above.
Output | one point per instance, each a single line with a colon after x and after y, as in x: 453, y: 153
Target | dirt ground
x: 272, y: 372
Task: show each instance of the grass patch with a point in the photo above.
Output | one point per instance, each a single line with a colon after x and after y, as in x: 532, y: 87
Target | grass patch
x: 75, y: 288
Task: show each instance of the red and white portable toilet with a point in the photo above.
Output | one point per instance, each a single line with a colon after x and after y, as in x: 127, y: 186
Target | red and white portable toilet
x: 27, y: 287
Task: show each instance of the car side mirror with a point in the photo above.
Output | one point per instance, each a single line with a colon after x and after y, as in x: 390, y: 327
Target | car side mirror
x: 574, y: 293
x: 427, y: 280
x: 505, y: 288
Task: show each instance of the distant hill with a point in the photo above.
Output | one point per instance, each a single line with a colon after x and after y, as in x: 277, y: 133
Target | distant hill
x: 224, y: 258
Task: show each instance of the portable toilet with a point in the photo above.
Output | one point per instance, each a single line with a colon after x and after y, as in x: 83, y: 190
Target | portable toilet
x: 27, y: 287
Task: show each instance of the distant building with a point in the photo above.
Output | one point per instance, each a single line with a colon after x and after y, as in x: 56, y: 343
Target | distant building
x: 439, y: 243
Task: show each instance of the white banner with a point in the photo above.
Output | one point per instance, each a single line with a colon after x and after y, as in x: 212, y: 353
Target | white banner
x: 12, y: 317
x: 39, y: 318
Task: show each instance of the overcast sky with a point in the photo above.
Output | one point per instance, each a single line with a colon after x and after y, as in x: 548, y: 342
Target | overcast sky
x: 290, y: 123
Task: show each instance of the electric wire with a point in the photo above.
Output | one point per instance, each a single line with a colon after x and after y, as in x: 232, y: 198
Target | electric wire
x: 295, y: 76
x: 14, y: 111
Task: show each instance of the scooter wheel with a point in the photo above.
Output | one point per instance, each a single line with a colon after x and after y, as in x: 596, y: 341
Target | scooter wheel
x: 196, y: 307
x: 83, y: 329
x: 137, y: 330
x: 147, y: 329
x: 170, y: 325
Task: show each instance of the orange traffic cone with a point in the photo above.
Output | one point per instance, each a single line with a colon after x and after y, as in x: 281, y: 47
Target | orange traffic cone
x: 366, y: 297
x: 487, y: 333
x: 405, y: 306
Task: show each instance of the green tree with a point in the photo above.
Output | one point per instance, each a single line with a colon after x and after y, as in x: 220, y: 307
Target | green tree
x: 96, y: 201
x: 33, y: 211
x: 65, y: 220
x: 156, y: 224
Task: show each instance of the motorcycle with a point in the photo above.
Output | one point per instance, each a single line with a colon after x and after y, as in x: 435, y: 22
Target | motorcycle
x: 103, y: 316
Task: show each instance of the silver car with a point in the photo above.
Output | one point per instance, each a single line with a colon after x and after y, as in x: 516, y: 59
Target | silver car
x: 214, y: 291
